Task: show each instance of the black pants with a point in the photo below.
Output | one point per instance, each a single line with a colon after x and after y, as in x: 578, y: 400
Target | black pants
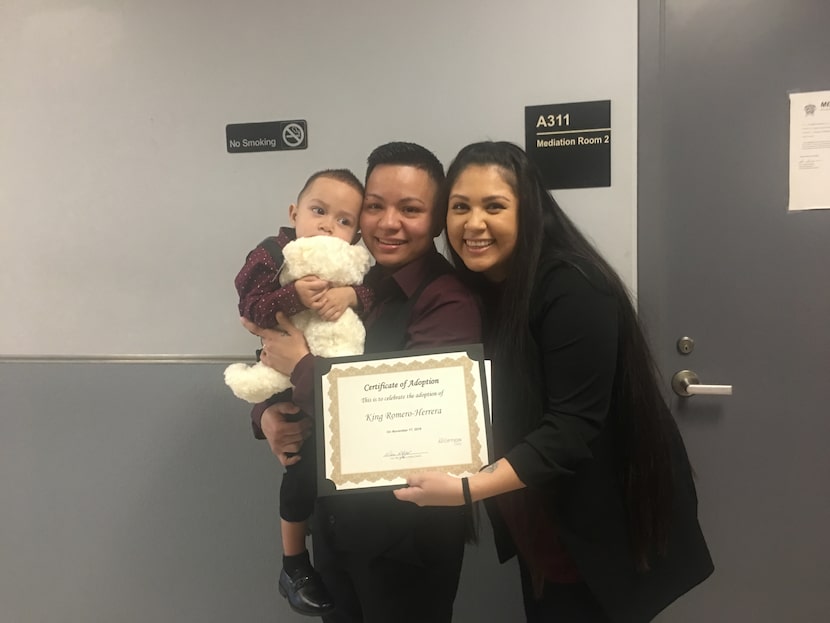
x: 299, y: 487
x: 386, y: 589
x: 561, y: 603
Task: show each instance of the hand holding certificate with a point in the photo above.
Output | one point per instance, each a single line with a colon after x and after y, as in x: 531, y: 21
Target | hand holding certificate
x: 386, y: 417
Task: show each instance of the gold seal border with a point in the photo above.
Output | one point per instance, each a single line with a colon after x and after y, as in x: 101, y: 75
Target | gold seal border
x: 339, y: 478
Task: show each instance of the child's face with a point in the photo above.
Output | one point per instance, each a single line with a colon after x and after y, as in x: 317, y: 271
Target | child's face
x: 327, y: 208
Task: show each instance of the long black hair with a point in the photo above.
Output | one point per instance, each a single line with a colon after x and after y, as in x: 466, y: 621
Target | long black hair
x: 637, y: 420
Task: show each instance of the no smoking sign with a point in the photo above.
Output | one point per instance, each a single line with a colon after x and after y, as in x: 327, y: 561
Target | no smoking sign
x: 267, y: 136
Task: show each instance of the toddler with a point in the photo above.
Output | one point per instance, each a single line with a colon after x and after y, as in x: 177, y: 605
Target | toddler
x: 329, y: 204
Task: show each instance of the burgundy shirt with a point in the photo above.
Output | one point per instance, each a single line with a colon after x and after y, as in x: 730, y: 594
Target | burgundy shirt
x: 260, y: 294
x: 445, y: 313
x: 536, y: 539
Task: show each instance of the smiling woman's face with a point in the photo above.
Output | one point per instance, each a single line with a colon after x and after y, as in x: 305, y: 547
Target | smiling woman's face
x: 396, y: 221
x: 483, y: 220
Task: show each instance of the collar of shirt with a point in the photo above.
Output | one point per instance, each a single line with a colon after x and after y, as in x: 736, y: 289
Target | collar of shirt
x: 286, y: 235
x: 405, y: 279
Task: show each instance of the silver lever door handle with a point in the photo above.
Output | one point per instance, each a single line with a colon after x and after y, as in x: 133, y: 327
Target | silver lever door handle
x: 686, y: 383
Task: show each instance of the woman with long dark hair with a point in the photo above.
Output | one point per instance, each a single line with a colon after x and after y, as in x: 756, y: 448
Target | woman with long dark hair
x: 594, y: 490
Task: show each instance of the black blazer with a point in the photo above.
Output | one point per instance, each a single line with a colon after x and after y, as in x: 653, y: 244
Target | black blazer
x: 568, y: 452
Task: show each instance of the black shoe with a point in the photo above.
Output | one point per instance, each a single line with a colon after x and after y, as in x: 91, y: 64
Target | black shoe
x: 305, y: 593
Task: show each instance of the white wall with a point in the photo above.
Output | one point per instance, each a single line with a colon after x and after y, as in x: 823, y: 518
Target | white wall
x: 123, y: 219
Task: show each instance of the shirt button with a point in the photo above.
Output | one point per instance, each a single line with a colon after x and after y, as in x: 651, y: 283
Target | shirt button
x: 332, y: 521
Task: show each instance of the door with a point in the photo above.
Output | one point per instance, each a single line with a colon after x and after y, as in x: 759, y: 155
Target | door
x: 723, y: 262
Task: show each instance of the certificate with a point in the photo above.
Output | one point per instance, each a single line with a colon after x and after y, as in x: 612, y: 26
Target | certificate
x: 383, y: 417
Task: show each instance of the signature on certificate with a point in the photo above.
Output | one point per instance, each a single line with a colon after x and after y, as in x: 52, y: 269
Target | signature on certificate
x: 399, y: 455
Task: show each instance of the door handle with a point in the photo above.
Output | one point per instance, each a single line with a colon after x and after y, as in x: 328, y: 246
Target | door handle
x: 686, y: 383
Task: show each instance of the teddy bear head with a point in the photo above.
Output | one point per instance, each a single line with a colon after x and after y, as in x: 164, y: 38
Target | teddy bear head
x: 330, y: 258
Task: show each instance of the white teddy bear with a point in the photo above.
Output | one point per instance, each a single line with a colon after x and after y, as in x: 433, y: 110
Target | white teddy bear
x: 333, y: 260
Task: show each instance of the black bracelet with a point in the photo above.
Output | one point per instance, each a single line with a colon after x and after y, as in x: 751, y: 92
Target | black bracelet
x: 465, y: 489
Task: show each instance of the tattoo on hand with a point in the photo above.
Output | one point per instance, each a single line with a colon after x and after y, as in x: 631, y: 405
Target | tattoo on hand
x: 490, y: 468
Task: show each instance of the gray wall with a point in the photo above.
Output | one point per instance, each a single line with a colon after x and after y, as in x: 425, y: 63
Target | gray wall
x: 135, y: 492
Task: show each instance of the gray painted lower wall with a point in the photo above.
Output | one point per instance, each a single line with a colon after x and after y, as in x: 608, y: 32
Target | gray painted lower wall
x: 136, y: 493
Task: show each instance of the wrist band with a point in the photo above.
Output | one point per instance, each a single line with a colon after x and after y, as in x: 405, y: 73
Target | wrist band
x: 465, y: 489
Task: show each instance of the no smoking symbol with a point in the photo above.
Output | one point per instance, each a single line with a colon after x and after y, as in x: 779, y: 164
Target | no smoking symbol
x: 293, y: 135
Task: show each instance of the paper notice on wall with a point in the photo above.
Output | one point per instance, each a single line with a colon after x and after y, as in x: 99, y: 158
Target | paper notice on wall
x: 810, y: 151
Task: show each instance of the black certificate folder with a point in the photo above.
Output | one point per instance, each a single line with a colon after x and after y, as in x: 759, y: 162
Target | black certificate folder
x: 385, y: 416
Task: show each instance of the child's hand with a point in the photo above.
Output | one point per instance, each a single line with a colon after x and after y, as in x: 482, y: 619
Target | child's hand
x: 334, y: 302
x: 310, y: 290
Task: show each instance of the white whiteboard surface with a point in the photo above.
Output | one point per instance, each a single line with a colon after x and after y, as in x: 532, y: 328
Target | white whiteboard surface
x: 123, y: 219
